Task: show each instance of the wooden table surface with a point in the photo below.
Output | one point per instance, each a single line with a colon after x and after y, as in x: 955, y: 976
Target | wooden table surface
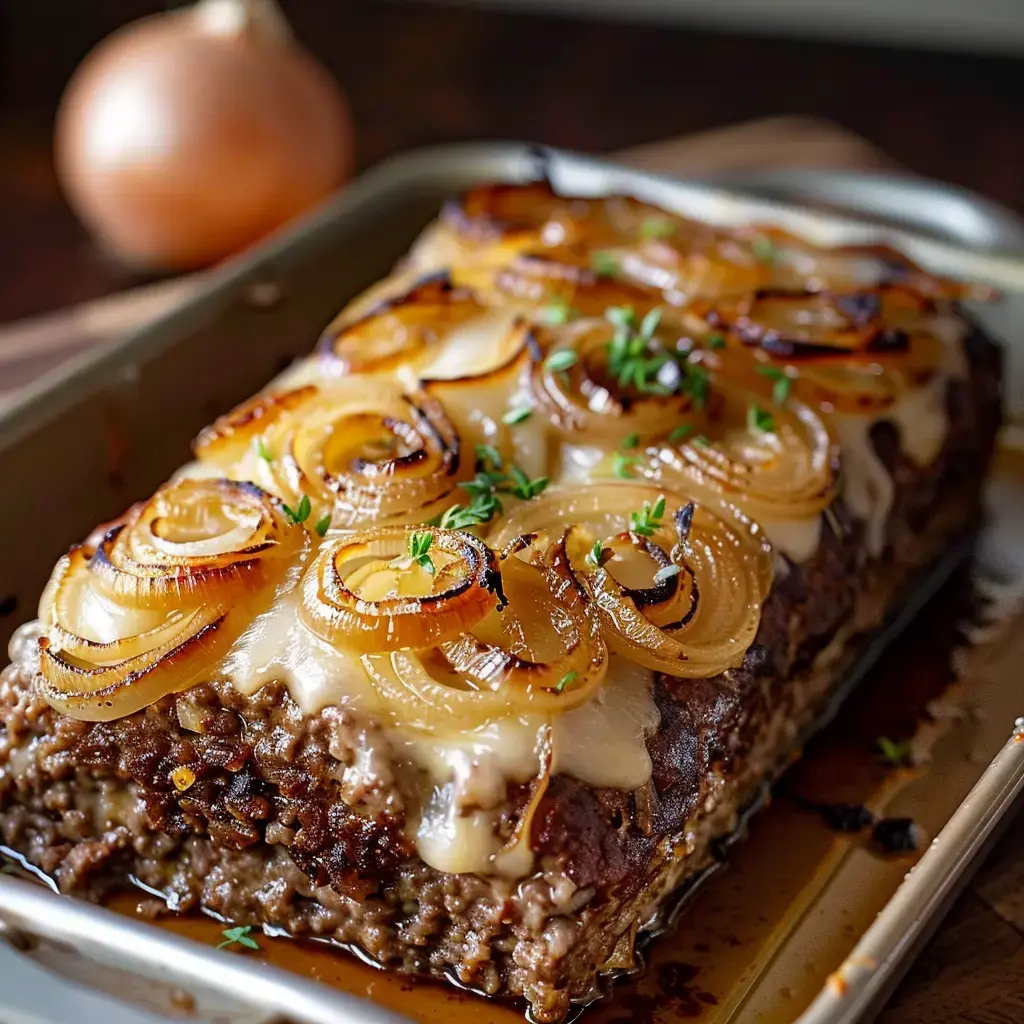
x: 421, y: 73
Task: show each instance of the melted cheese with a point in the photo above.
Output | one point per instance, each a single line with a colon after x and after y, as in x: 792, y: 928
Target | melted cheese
x: 602, y: 743
x: 277, y: 646
x: 798, y: 538
x: 922, y: 421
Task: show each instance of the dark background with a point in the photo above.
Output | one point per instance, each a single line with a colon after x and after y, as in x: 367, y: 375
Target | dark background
x: 421, y: 73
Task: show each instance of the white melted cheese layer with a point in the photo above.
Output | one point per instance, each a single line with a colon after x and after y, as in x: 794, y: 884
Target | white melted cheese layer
x: 921, y: 418
x: 602, y: 743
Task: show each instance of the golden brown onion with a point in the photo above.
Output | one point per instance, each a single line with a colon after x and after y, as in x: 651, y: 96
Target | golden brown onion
x: 434, y: 329
x: 364, y: 591
x: 594, y: 395
x: 360, y: 449
x: 695, y: 623
x: 776, y: 462
x: 853, y: 352
x: 230, y: 437
x: 540, y: 653
x: 151, y: 609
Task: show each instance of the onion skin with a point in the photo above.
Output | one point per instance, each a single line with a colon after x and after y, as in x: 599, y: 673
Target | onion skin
x: 179, y: 143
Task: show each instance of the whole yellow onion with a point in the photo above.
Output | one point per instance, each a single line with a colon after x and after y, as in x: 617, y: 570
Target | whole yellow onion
x: 189, y: 135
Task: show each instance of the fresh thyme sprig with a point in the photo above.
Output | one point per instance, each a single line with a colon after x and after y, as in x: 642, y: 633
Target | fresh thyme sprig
x: 416, y: 553
x: 648, y: 519
x: 604, y: 264
x: 263, y: 451
x: 760, y: 420
x: 567, y: 680
x: 653, y: 228
x: 523, y: 487
x: 558, y: 311
x: 635, y: 360
x: 622, y: 465
x: 895, y: 753
x: 238, y: 936
x: 561, y: 360
x: 782, y: 382
x: 484, y: 488
x: 517, y: 415
x: 301, y: 513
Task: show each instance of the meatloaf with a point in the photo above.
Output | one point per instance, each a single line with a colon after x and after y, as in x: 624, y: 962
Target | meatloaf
x: 463, y: 642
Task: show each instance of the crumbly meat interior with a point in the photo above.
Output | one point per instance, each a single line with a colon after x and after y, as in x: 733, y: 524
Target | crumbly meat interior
x: 292, y: 818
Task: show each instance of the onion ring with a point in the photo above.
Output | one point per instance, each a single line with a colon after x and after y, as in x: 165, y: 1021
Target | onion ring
x: 153, y: 607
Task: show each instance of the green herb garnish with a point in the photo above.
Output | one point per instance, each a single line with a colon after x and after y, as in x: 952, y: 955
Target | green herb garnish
x: 461, y: 517
x: 558, y: 311
x: 648, y: 519
x: 323, y: 524
x: 698, y: 384
x: 652, y: 228
x: 604, y: 264
x: 631, y: 359
x: 517, y: 415
x: 782, y: 385
x: 561, y: 360
x: 486, y: 453
x: 419, y: 545
x: 239, y: 936
x: 763, y: 249
x: 895, y: 753
x: 678, y: 433
x: 596, y: 555
x: 759, y: 419
x: 263, y: 451
x: 630, y: 441
x: 701, y: 441
x: 715, y: 341
x: 622, y: 464
x: 566, y: 680
x: 300, y: 514
x: 525, y: 488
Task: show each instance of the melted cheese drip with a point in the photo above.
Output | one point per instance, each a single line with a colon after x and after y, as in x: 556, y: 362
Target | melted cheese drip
x: 921, y: 418
x: 277, y: 646
x: 797, y: 538
x: 602, y: 743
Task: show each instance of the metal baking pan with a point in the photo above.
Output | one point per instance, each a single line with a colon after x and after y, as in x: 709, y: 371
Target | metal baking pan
x: 106, y: 429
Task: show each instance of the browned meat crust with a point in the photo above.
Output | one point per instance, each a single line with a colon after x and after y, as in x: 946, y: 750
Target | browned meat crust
x: 272, y: 830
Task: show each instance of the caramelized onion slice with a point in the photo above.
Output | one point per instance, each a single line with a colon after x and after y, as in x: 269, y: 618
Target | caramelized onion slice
x: 774, y: 461
x: 849, y: 352
x: 436, y: 329
x: 541, y: 654
x: 230, y: 437
x: 195, y: 540
x: 366, y: 450
x: 706, y: 619
x: 364, y: 592
x: 151, y: 606
x: 592, y: 397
